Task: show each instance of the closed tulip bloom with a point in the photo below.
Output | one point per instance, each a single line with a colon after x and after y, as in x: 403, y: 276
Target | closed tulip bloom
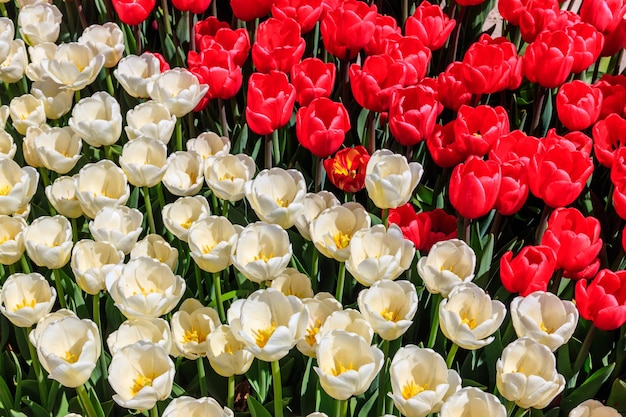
x: 73, y: 66
x: 48, y: 241
x: 151, y: 119
x: 37, y: 54
x: 321, y: 126
x: 306, y: 12
x: 347, y: 364
x: 319, y: 308
x: 593, y: 408
x: 8, y: 148
x: 208, y: 144
x: 269, y: 102
x: 191, y: 325
x: 153, y: 330
x: 226, y: 354
x: 226, y: 175
x: 278, y: 45
x: 144, y: 288
x: 180, y: 215
x: 189, y: 406
x: 155, y: 247
x: 26, y: 298
x: 421, y: 381
x: 56, y: 100
x: 276, y: 195
x: 469, y: 316
x: 548, y: 60
x: 68, y: 349
x: 212, y: 241
x: 545, y: 318
x: 448, y: 264
x: 17, y: 185
x: 389, y: 306
x: 90, y: 263
x: 472, y: 402
x: 216, y: 67
x: 135, y: 72
x: 514, y: 188
x: 476, y: 129
x: 144, y: 161
x: 474, y: 187
x: 13, y: 68
x: 529, y: 271
x: 390, y: 180
x: 578, y: 105
x: 178, y: 89
x: 348, y: 28
x: 118, y: 225
x: 269, y: 323
x: 7, y: 34
x: 97, y: 119
x: 588, y: 45
x: 314, y: 205
x: 184, y: 175
x: 263, y: 251
x: 602, y: 14
x: 526, y: 373
x: 141, y: 374
x: 374, y: 84
x: 423, y: 229
x: 347, y: 169
x: 603, y: 301
x: 430, y: 25
x: 453, y: 92
x: 211, y: 33
x: 379, y: 253
x: 313, y: 78
x: 196, y: 7
x: 133, y: 12
x: 413, y: 114
x: 107, y: 40
x: 607, y: 139
x: 26, y: 111
x: 58, y: 149
x: 62, y: 195
x: 246, y: 11
x: 348, y: 320
x: 39, y: 23
x: 11, y: 240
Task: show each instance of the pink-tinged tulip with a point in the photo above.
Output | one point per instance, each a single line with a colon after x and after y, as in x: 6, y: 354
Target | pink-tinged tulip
x: 278, y: 45
x: 474, y: 187
x: 270, y: 102
x: 529, y: 271
x: 321, y: 126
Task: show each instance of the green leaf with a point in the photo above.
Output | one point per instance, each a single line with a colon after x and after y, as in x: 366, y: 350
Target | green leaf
x: 367, y: 407
x: 38, y: 411
x: 5, y: 394
x: 259, y: 378
x: 617, y: 395
x: 256, y: 408
x: 588, y: 389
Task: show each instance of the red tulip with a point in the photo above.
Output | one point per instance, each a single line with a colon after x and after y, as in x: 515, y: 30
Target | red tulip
x: 578, y: 105
x: 443, y: 147
x: 453, y: 92
x: 605, y: 15
x: 477, y: 128
x: 614, y: 40
x: 346, y: 170
x: 249, y: 10
x: 386, y: 30
x: 423, y: 229
x: 373, y: 85
x: 511, y: 65
x: 576, y: 241
x: 213, y: 34
x: 483, y: 68
x: 269, y: 102
x: 613, y: 89
x: 535, y: 16
x: 415, y: 57
x: 430, y: 25
x: 312, y: 78
x: 133, y: 12
x: 588, y: 44
x: 515, y: 146
x: 474, y: 187
x: 529, y: 271
x: 618, y: 197
x: 548, y: 60
x: 321, y: 126
x: 608, y: 135
x: 603, y: 301
x: 278, y: 45
x: 347, y: 28
x: 306, y: 12
x: 215, y: 67
x: 573, y: 141
x: 193, y: 6
x: 513, y: 189
x: 413, y: 114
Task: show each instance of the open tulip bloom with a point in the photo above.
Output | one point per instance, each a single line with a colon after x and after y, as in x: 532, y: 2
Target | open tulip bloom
x: 345, y: 208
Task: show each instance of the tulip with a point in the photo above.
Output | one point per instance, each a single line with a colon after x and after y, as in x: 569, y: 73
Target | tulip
x: 312, y: 78
x: 133, y: 12
x: 226, y: 354
x: 588, y: 44
x: 578, y: 105
x: 39, y: 53
x: 90, y: 263
x: 423, y: 229
x: 8, y: 148
x: 141, y: 374
x: 293, y: 282
x: 602, y: 14
x: 151, y: 119
x: 319, y: 308
x: 209, y: 144
x: 346, y: 170
x: 603, y: 301
x: 448, y: 264
x: 321, y: 126
x: 205, y: 406
x: 13, y: 68
x: 421, y: 381
x: 529, y: 271
x: 97, y: 119
x: 56, y: 100
x: 268, y: 322
x: 155, y: 247
x: 39, y: 23
x: 278, y: 45
x: 477, y: 128
x: 389, y: 306
x: 269, y: 102
x: 184, y: 175
x: 193, y: 6
x: 151, y: 330
x: 26, y: 298
x: 144, y: 288
x: 144, y: 161
x: 413, y: 114
x: 7, y: 34
x: 26, y: 111
x: 212, y: 241
x: 379, y: 253
x: 48, y: 241
x: 226, y: 175
x: 178, y: 89
x: 513, y: 188
x: 62, y: 195
x: 45, y: 321
x: 306, y: 12
x: 263, y: 251
x: 73, y: 66
x: 544, y: 318
x: 385, y: 37
x: 191, y: 325
x: 607, y: 139
x: 246, y: 11
x: 180, y: 215
x: 468, y: 316
x: 216, y: 68
x: 374, y: 84
x: 593, y: 408
x: 347, y: 365
x: 17, y: 186
x: 107, y: 40
x: 58, y: 149
x: 348, y: 28
x: 474, y: 187
x: 11, y: 240
x: 135, y: 72
x: 276, y: 195
x: 68, y: 349
x: 472, y: 402
x: 314, y: 205
x: 548, y: 60
x: 526, y: 373
x: 390, y: 179
x: 348, y: 320
x: 430, y: 25
x: 210, y: 33
x: 119, y: 225
x: 452, y: 90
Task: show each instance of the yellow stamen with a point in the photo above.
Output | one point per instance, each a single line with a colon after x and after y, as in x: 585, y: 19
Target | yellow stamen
x: 340, y: 368
x: 390, y: 315
x: 468, y: 320
x: 282, y: 203
x: 228, y: 349
x: 4, y: 238
x: 5, y: 190
x: 263, y: 257
x: 411, y: 389
x: 311, y: 332
x: 194, y: 335
x: 70, y: 357
x: 446, y: 268
x: 545, y: 329
x: 186, y: 224
x: 341, y: 239
x: 24, y: 304
x: 262, y: 336
x: 207, y: 248
x: 226, y: 177
x: 140, y: 382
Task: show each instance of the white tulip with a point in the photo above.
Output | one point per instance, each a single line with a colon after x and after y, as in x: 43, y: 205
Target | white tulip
x: 48, y: 241
x: 118, y: 225
x: 73, y: 66
x: 314, y: 204
x: 39, y: 23
x: 178, y: 89
x: 390, y: 179
x: 97, y: 119
x: 90, y: 263
x: 191, y: 325
x: 134, y: 72
x: 472, y: 402
x: 153, y: 330
x: 155, y: 247
x: 184, y: 175
x: 62, y: 195
x: 101, y: 184
x: 226, y: 175
x: 227, y: 355
x: 150, y: 119
x: 107, y: 39
x: 182, y: 213
x: 26, y: 298
x: 212, y: 241
x: 449, y: 263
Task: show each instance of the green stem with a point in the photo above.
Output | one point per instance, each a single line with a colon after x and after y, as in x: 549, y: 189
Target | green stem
x: 223, y: 120
x: 179, y: 135
x: 231, y: 392
x: 56, y: 273
x: 154, y: 411
x: 146, y: 198
x: 41, y: 380
x: 434, y: 320
x: 11, y: 269
x: 276, y: 146
x: 198, y: 274
x: 202, y: 376
x: 101, y: 360
x: 584, y: 349
x: 217, y: 284
x: 85, y: 401
x: 554, y: 289
x: 109, y: 81
x: 341, y: 408
x: 74, y: 230
x: 384, y: 216
x: 268, y: 151
x: 315, y: 265
x: 382, y: 379
x: 225, y: 206
x: 451, y: 354
x: 341, y: 277
x: 108, y: 152
x: 278, y: 389
x: 25, y: 265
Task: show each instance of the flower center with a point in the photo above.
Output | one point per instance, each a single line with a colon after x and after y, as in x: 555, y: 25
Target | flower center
x: 411, y: 389
x: 261, y: 337
x: 311, y: 332
x: 341, y: 239
x: 465, y: 319
x: 543, y: 328
x: 340, y: 368
x: 207, y: 248
x: 226, y: 177
x: 390, y: 315
x: 194, y: 335
x: 186, y: 224
x: 5, y: 190
x: 140, y: 382
x: 70, y: 357
x: 24, y: 304
x: 282, y: 203
x: 263, y: 257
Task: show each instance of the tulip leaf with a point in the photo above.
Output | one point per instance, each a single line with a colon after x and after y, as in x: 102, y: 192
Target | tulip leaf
x: 259, y: 378
x: 361, y: 124
x: 546, y: 115
x: 95, y: 402
x: 5, y: 395
x: 15, y: 413
x: 256, y: 408
x: 587, y: 389
x: 38, y: 411
x: 182, y: 28
x: 484, y: 265
x: 366, y: 410
x: 617, y: 395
